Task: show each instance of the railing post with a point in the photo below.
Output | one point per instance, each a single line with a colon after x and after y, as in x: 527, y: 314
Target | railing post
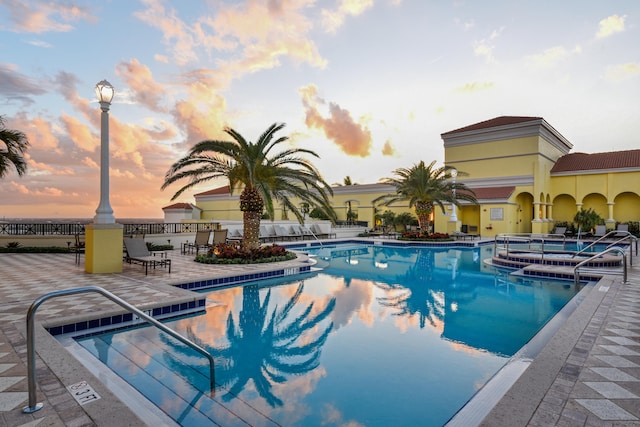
x: 31, y: 357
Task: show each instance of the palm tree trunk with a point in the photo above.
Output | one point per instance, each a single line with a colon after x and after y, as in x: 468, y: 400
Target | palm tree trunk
x: 423, y: 211
x: 251, y: 225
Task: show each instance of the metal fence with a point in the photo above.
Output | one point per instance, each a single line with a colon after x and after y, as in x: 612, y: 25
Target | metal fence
x: 48, y: 229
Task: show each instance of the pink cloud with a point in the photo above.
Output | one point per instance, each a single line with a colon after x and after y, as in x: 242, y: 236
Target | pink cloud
x: 141, y: 82
x: 39, y: 17
x: 353, y: 138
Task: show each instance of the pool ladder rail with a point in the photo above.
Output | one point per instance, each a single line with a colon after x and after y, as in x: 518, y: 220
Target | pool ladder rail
x: 528, y: 239
x: 31, y: 361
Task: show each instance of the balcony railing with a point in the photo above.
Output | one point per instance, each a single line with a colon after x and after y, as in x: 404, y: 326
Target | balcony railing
x: 48, y: 229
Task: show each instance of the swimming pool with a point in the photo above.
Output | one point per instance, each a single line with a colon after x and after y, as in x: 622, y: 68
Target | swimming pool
x: 382, y: 336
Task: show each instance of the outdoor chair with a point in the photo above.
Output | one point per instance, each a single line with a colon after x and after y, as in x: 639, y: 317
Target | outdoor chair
x: 600, y: 231
x: 235, y: 236
x: 265, y: 236
x: 201, y: 241
x: 560, y: 230
x: 138, y: 253
x: 282, y: 234
x: 623, y: 228
x: 319, y: 233
x: 78, y: 248
x: 220, y: 236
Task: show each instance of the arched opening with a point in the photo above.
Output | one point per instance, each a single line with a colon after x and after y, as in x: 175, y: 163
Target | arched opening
x: 564, y: 208
x: 626, y: 208
x: 525, y: 212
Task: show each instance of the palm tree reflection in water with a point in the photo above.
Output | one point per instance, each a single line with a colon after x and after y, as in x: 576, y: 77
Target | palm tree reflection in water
x: 269, y: 344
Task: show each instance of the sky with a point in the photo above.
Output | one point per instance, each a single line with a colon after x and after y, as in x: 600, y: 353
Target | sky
x: 369, y: 85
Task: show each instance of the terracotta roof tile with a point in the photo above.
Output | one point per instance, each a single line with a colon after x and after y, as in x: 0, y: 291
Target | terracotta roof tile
x: 179, y: 206
x: 595, y: 161
x: 495, y: 122
x: 485, y: 193
x: 215, y: 191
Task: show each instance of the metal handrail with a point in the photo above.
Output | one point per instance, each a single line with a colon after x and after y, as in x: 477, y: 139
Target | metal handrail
x: 312, y: 233
x: 576, y: 273
x: 526, y: 238
x: 31, y: 360
x: 627, y: 236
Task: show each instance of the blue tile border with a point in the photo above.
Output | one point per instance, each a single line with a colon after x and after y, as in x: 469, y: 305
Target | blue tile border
x: 125, y: 319
x: 174, y: 310
x: 243, y: 278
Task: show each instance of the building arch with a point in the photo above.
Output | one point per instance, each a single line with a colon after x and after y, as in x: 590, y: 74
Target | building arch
x: 525, y: 214
x: 597, y: 202
x: 626, y: 207
x: 564, y: 208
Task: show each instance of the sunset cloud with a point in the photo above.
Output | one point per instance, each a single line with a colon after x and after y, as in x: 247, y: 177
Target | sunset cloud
x: 333, y: 19
x: 388, y: 149
x: 610, y: 25
x: 140, y: 80
x: 352, y: 138
x: 30, y: 16
x: 475, y: 87
x: 17, y: 86
x: 549, y: 56
x: 623, y: 71
x: 175, y: 33
x: 484, y: 47
x: 80, y: 133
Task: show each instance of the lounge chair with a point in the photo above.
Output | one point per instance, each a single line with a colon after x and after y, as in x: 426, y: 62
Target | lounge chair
x: 235, y: 236
x: 137, y: 252
x: 459, y: 235
x: 600, y: 231
x: 624, y: 230
x: 282, y: 234
x: 264, y: 235
x: 560, y: 230
x: 201, y: 242
x: 220, y: 236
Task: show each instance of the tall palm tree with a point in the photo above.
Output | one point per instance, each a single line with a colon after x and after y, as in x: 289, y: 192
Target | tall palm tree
x: 266, y: 176
x: 424, y: 187
x: 15, y: 145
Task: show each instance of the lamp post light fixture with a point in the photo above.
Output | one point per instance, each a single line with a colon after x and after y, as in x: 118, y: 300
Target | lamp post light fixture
x: 104, y: 212
x: 454, y: 215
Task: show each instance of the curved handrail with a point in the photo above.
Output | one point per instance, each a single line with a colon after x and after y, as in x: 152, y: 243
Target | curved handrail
x: 576, y: 273
x: 627, y: 236
x: 527, y: 238
x: 31, y: 313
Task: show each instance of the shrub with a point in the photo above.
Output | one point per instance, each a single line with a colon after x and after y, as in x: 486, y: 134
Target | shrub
x: 232, y: 254
x: 153, y: 247
x: 417, y: 235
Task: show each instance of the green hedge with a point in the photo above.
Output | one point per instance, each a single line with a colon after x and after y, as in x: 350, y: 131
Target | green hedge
x: 207, y: 259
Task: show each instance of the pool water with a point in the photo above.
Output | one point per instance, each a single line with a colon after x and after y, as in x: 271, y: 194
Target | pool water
x: 382, y: 336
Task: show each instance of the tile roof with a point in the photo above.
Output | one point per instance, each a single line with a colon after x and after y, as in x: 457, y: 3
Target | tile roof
x: 215, y: 191
x: 495, y: 122
x: 609, y: 160
x: 485, y: 193
x: 179, y: 206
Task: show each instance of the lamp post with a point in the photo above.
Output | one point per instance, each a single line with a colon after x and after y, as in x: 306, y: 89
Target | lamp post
x: 454, y: 215
x: 104, y: 213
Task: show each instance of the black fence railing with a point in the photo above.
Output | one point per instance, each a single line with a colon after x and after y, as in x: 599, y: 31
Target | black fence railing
x: 46, y: 229
x: 351, y: 223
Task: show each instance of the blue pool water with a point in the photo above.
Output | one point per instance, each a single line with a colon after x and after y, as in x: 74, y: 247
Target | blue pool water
x: 383, y: 336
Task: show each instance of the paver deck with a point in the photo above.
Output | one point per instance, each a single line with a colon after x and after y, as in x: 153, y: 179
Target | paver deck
x: 587, y: 375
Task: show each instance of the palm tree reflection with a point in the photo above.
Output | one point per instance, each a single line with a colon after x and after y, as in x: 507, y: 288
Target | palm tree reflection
x: 268, y: 344
x: 425, y: 290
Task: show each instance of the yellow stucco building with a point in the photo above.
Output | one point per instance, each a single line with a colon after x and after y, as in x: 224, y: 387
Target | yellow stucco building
x: 523, y: 175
